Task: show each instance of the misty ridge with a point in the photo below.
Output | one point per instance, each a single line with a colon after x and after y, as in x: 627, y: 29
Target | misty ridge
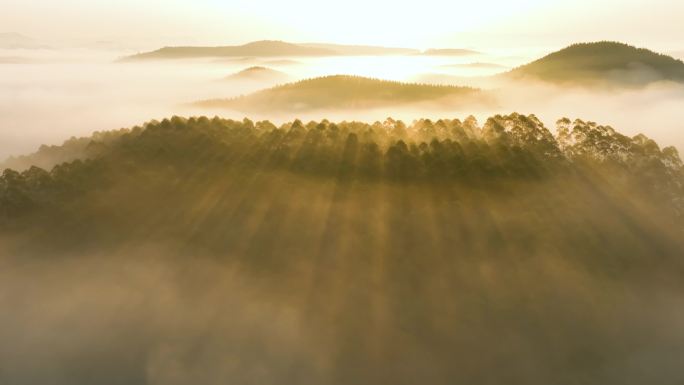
x: 42, y: 104
x: 591, y: 74
x: 600, y: 63
x: 269, y: 48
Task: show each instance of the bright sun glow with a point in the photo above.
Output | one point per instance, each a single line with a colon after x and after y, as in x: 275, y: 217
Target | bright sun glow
x: 424, y: 24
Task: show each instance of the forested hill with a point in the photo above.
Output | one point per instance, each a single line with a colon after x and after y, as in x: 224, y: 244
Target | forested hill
x: 341, y: 92
x: 602, y: 63
x: 509, y: 146
x: 506, y: 148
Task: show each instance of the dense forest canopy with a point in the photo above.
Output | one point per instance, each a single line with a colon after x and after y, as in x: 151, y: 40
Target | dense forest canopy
x: 603, y: 63
x: 351, y: 92
x: 513, y: 147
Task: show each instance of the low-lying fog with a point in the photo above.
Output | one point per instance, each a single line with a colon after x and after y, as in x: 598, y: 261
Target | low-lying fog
x: 47, y: 96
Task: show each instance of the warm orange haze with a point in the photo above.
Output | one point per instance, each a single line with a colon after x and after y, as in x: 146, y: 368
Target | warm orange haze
x: 220, y: 192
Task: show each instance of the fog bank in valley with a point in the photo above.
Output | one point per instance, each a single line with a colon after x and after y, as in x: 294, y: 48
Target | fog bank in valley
x: 49, y: 96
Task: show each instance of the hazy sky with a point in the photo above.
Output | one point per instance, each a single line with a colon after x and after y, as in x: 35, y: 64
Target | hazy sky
x: 427, y: 23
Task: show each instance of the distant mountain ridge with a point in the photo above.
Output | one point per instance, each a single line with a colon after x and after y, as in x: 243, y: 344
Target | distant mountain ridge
x: 608, y: 63
x: 265, y: 48
x: 275, y: 48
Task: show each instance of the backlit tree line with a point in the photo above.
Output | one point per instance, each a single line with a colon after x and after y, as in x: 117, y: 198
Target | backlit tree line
x: 444, y: 151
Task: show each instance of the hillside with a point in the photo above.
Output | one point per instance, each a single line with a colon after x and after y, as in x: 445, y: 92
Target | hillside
x: 373, y: 241
x: 258, y: 73
x: 602, y: 63
x: 345, y: 92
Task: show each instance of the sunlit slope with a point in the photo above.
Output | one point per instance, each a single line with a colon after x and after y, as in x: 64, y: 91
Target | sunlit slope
x: 348, y: 92
x: 345, y: 253
x: 602, y: 63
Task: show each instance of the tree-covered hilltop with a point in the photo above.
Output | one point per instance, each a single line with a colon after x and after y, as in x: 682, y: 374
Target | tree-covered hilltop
x: 509, y: 146
x: 602, y: 63
x: 346, y: 253
x: 506, y: 148
x: 347, y: 92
